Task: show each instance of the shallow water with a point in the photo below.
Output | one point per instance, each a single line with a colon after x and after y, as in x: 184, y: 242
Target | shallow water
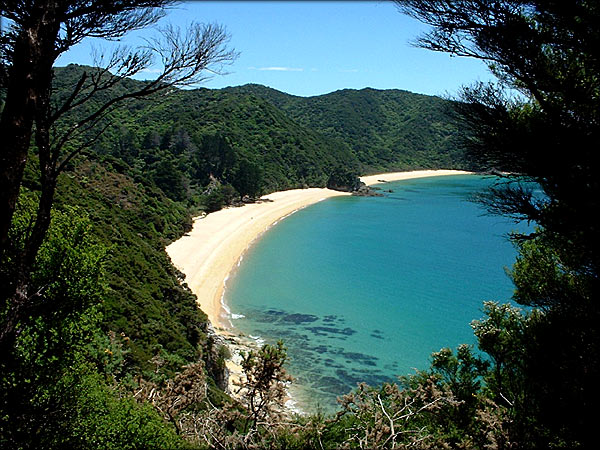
x: 364, y: 289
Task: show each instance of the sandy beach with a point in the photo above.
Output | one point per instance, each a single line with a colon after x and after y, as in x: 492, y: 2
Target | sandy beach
x: 214, y: 246
x: 370, y: 180
x: 209, y: 252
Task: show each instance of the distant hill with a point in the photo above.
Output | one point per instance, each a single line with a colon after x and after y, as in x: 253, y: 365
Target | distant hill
x: 386, y: 129
x: 294, y: 141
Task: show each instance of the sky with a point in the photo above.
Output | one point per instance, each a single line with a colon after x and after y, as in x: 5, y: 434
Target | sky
x: 309, y: 48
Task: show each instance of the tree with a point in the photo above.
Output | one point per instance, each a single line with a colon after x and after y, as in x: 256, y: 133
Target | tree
x: 215, y: 200
x: 546, y: 54
x: 462, y: 374
x: 214, y: 157
x: 247, y: 178
x: 541, y: 123
x: 39, y: 32
x: 169, y: 178
x: 343, y: 179
x: 68, y: 272
x: 262, y: 387
x: 392, y: 417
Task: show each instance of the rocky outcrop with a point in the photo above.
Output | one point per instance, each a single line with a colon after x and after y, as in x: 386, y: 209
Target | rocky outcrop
x: 366, y: 191
x: 347, y: 181
x: 344, y: 181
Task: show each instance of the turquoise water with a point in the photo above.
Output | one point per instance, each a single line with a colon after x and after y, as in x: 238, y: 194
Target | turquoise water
x: 364, y: 289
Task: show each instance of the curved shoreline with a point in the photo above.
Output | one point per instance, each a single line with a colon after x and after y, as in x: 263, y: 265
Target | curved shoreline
x: 214, y: 246
x: 218, y: 241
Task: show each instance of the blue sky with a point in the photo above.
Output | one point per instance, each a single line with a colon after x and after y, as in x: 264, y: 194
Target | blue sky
x: 315, y: 47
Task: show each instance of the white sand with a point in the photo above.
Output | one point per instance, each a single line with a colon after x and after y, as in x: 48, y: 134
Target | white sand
x: 370, y: 180
x: 208, y: 253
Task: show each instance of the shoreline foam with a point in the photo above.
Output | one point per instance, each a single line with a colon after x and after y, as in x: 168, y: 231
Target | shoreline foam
x: 217, y: 243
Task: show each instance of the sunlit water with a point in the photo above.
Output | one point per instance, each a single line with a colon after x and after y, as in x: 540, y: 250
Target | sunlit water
x: 364, y: 289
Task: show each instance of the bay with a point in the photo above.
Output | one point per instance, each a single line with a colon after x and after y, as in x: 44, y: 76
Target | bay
x: 365, y: 289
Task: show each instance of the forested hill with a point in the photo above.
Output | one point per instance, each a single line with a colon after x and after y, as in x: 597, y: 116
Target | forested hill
x: 386, y: 129
x: 161, y: 160
x: 257, y: 139
x: 102, y: 342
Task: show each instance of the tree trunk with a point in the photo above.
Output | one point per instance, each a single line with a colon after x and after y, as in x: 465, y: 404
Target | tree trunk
x: 28, y: 77
x: 27, y: 100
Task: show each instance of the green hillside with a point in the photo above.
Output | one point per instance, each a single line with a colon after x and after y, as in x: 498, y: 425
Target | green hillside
x: 387, y: 129
x: 180, y: 142
x: 102, y: 342
x: 135, y: 328
x: 160, y: 161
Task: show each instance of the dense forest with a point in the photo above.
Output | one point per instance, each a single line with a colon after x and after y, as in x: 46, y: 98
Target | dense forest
x: 102, y: 343
x: 386, y: 129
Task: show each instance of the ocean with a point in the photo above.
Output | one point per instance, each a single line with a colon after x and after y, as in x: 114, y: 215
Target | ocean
x: 364, y: 289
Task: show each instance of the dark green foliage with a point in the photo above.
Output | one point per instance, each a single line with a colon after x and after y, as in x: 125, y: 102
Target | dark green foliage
x: 204, y: 133
x: 556, y: 353
x: 263, y: 384
x: 535, y: 374
x: 144, y: 299
x: 247, y: 178
x: 386, y: 129
x: 215, y: 200
x: 159, y: 161
x: 342, y: 179
x: 463, y: 374
x: 544, y: 363
x: 53, y: 383
x: 214, y: 157
x: 165, y: 175
x: 93, y: 415
x: 201, y: 150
